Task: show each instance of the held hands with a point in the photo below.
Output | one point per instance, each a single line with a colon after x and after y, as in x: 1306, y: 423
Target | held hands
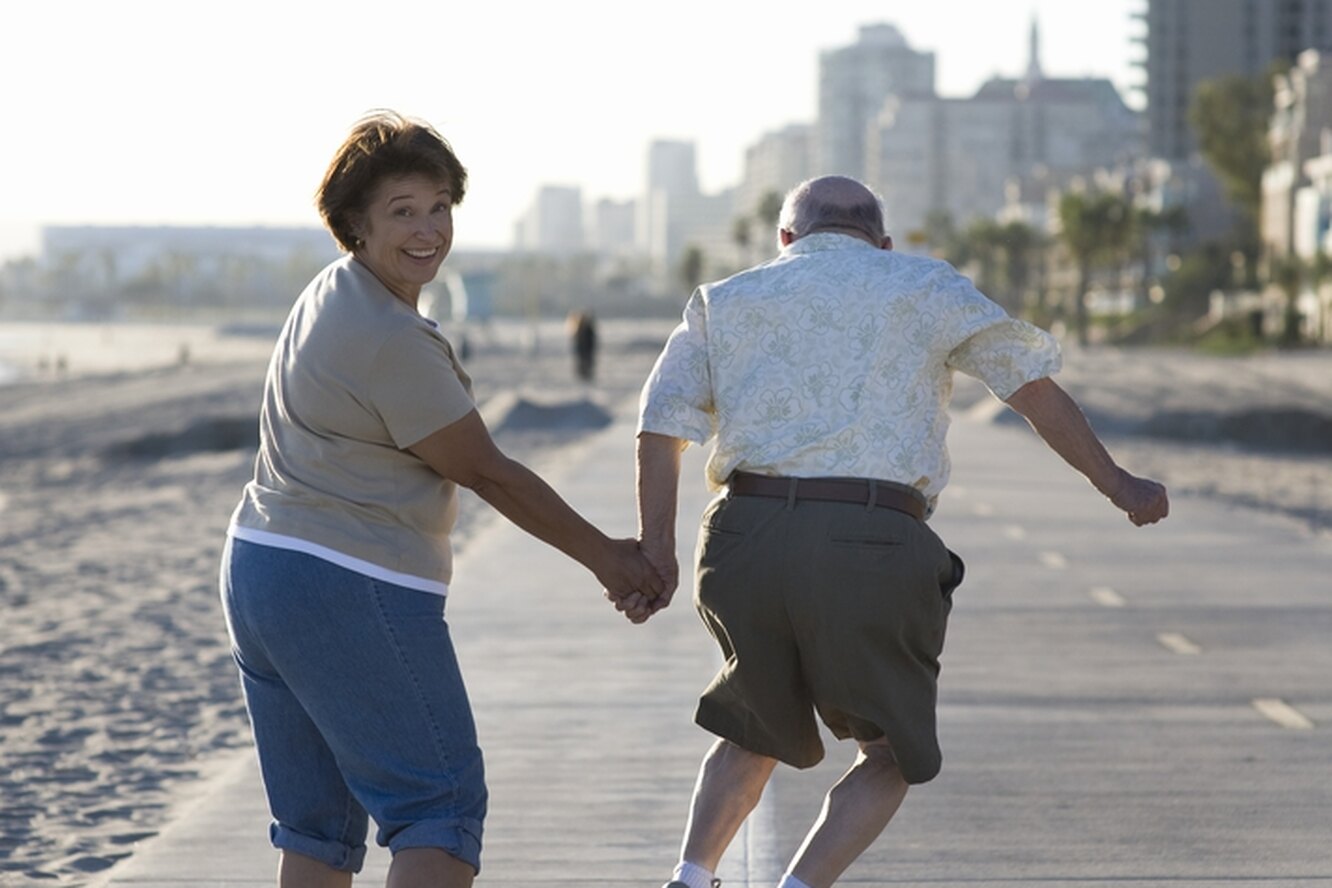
x: 1142, y: 499
x: 660, y: 554
x: 632, y: 582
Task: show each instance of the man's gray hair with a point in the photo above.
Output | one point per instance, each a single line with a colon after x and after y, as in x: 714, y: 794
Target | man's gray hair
x: 832, y: 202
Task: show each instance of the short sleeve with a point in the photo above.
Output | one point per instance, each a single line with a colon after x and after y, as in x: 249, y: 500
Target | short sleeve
x: 1007, y: 355
x: 677, y: 397
x: 417, y: 387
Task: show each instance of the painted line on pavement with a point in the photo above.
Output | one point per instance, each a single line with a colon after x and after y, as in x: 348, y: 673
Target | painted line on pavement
x: 1177, y: 643
x: 1283, y: 713
x: 1053, y: 560
x: 1106, y: 597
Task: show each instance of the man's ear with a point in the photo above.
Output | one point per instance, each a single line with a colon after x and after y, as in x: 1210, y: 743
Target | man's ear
x: 785, y: 237
x: 887, y: 243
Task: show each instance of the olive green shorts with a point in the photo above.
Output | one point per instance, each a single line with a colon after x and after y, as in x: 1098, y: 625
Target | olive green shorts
x: 824, y: 607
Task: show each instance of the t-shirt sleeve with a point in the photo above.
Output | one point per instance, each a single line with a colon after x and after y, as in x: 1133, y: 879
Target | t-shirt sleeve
x: 987, y: 343
x: 1008, y: 355
x: 417, y: 387
x: 677, y: 397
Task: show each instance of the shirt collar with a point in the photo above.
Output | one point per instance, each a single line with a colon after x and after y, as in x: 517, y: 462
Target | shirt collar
x: 822, y: 241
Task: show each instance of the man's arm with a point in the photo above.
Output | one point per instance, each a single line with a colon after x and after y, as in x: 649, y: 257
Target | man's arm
x: 658, y: 499
x: 1061, y: 424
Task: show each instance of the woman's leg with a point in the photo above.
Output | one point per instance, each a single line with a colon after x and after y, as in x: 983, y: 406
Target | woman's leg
x: 298, y: 871
x: 428, y: 868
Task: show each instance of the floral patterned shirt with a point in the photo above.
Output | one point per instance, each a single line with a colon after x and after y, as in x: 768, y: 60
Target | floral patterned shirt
x: 835, y: 359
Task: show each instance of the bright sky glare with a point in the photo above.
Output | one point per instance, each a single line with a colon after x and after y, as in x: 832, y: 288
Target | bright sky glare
x: 141, y: 112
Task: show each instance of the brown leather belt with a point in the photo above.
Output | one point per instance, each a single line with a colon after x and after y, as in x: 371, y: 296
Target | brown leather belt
x: 862, y: 491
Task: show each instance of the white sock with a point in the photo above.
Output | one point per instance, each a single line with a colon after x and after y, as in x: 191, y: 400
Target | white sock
x: 692, y: 875
x: 790, y: 881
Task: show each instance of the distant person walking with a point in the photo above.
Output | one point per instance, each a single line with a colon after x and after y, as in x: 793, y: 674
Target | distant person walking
x: 824, y: 377
x: 338, y: 560
x: 583, y: 338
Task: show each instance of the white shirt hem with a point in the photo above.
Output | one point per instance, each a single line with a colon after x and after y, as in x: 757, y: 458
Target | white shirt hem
x: 357, y: 565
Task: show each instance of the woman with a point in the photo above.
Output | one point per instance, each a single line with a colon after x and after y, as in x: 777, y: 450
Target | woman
x: 338, y: 559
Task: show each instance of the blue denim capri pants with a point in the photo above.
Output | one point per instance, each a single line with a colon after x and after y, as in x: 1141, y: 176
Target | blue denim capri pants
x: 357, y: 705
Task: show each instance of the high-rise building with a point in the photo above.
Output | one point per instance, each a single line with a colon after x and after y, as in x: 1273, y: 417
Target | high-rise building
x: 929, y: 154
x: 854, y: 82
x: 1189, y: 41
x: 612, y: 227
x: 775, y: 164
x: 554, y: 224
x: 669, y: 195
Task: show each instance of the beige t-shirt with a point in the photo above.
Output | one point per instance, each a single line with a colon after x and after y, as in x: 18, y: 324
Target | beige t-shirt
x: 356, y: 377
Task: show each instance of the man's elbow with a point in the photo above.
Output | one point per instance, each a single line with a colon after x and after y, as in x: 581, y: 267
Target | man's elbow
x: 1032, y: 395
x: 658, y: 441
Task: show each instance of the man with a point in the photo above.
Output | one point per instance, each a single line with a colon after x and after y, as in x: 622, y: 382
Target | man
x: 824, y: 376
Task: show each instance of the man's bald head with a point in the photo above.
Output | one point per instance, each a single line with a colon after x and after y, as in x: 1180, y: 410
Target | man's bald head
x: 832, y: 203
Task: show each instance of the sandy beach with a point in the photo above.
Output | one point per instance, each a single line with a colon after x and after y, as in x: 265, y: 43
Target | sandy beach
x: 119, y: 469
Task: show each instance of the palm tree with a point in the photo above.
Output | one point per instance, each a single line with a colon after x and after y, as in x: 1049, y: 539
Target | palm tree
x: 1230, y: 116
x: 690, y: 268
x: 984, y: 246
x: 1148, y: 225
x: 1319, y: 271
x: 742, y: 236
x: 1022, y: 245
x: 769, y: 210
x: 1094, y: 226
x: 1288, y: 273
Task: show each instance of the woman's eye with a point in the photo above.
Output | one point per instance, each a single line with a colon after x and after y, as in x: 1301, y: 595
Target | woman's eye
x: 440, y: 208
x: 404, y: 212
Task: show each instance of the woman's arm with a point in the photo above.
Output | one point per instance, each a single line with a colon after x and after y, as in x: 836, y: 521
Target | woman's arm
x: 465, y: 453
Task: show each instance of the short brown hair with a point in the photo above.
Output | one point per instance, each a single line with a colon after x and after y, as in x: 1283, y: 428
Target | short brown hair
x: 380, y: 145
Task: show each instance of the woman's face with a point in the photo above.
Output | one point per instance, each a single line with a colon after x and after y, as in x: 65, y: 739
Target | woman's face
x: 406, y: 232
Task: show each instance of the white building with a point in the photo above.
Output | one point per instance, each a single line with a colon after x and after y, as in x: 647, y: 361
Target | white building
x: 670, y: 191
x: 612, y: 227
x: 102, y: 266
x: 554, y: 223
x: 854, y: 82
x: 928, y: 154
x: 1297, y: 186
x: 775, y: 164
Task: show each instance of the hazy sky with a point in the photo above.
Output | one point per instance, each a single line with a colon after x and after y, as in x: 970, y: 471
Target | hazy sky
x: 134, y: 112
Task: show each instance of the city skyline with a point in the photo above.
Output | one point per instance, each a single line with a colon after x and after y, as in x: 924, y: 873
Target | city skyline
x: 227, y: 118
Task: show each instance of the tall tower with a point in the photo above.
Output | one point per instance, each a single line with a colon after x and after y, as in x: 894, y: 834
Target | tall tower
x: 1189, y: 41
x: 1034, y: 74
x: 670, y: 196
x: 854, y: 82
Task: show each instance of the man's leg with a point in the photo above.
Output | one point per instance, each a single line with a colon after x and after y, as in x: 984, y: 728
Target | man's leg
x: 856, y: 810
x: 730, y: 782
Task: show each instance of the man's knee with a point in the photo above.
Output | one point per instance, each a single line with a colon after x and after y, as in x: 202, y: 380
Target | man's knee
x: 741, y: 770
x: 878, y: 755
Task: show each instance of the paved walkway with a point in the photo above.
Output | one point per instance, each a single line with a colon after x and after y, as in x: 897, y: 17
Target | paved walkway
x: 1118, y: 707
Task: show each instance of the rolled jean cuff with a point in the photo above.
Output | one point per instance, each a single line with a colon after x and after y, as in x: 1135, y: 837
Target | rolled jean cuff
x: 340, y: 856
x: 460, y: 838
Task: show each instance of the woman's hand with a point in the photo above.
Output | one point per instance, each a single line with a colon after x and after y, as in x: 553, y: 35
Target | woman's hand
x: 632, y: 584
